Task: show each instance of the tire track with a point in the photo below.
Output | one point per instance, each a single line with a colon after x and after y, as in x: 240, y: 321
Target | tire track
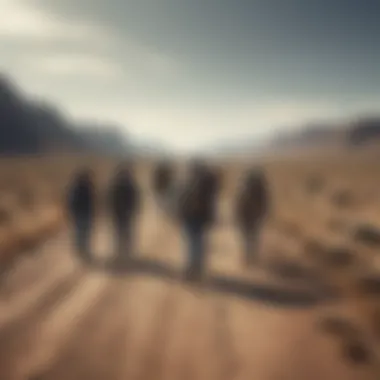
x: 178, y: 365
x: 229, y: 364
x: 117, y: 346
x: 89, y: 350
x: 146, y: 297
x: 53, y: 331
x: 258, y: 338
x: 124, y: 347
x: 32, y: 298
x: 32, y: 282
x: 27, y: 272
x: 154, y: 354
x: 18, y: 334
x: 194, y: 351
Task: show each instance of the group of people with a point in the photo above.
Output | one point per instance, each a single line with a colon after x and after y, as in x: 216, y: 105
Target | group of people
x: 192, y: 202
x: 123, y: 201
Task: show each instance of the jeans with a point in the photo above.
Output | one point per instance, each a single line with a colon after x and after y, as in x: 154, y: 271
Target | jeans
x: 123, y: 237
x: 250, y: 239
x: 195, y: 248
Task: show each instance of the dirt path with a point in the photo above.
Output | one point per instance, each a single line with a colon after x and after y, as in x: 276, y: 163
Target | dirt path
x: 62, y: 320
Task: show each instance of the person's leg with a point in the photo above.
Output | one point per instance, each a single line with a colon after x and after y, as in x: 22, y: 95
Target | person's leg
x: 77, y: 234
x: 165, y: 204
x: 87, y: 235
x: 82, y: 232
x: 256, y: 238
x: 189, y: 241
x: 120, y: 238
x: 252, y: 243
x: 195, y: 248
x: 128, y: 238
x: 199, y: 250
x: 115, y: 237
x: 246, y: 236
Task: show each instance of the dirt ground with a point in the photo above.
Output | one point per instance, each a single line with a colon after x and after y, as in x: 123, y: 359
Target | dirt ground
x: 309, y: 309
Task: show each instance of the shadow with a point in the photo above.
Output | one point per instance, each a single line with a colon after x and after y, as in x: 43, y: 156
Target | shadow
x: 294, y: 271
x: 276, y: 295
x: 134, y: 265
x: 272, y: 294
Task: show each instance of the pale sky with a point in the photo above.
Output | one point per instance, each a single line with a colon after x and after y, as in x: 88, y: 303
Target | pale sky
x: 192, y: 72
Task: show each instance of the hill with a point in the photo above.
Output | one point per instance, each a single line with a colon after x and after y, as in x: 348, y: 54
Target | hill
x: 359, y: 132
x: 29, y: 126
x: 364, y: 130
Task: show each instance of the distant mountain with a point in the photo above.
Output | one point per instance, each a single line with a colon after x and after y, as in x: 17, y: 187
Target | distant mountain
x: 15, y: 135
x: 360, y: 131
x: 364, y: 130
x: 312, y: 137
x: 28, y: 126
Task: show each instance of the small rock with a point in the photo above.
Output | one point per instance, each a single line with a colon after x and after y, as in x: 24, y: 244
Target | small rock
x: 339, y: 256
x: 338, y: 327
x: 367, y: 234
x: 369, y: 284
x: 356, y: 352
x: 342, y: 198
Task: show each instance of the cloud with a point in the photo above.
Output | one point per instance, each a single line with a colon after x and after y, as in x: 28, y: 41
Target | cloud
x: 19, y: 19
x: 60, y: 46
x: 76, y: 65
x: 149, y: 60
x: 159, y: 76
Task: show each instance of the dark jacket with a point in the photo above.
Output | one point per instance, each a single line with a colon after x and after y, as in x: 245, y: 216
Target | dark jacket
x: 124, y: 197
x: 81, y: 200
x: 252, y: 200
x: 197, y: 202
x: 162, y: 178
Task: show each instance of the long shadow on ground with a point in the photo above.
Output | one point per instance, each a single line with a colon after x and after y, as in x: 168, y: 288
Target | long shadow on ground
x: 276, y: 295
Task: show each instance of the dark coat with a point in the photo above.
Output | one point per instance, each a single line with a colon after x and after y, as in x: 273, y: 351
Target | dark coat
x: 251, y: 201
x: 124, y: 198
x: 162, y: 178
x: 81, y: 196
x: 197, y: 202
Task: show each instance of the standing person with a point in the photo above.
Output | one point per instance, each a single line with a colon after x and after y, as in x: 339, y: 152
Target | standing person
x: 251, y: 206
x: 124, y: 201
x: 162, y: 182
x: 81, y: 207
x: 196, y: 209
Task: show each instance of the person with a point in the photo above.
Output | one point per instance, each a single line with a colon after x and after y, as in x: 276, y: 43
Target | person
x: 196, y: 210
x: 250, y: 209
x: 81, y: 207
x: 162, y: 183
x: 124, y: 201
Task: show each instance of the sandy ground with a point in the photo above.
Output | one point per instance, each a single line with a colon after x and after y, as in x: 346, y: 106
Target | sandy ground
x: 61, y: 319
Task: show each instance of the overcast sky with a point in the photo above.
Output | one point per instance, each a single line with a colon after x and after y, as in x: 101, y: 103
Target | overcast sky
x: 188, y: 72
